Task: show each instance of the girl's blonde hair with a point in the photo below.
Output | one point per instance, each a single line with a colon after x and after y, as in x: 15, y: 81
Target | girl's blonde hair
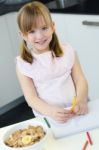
x: 27, y: 19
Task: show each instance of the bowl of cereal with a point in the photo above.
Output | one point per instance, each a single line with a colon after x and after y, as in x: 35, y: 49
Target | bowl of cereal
x: 29, y: 135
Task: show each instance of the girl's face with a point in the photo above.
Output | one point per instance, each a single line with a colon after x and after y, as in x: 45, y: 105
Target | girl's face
x: 40, y: 37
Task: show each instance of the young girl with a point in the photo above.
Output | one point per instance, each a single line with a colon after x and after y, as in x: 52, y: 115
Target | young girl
x: 49, y: 72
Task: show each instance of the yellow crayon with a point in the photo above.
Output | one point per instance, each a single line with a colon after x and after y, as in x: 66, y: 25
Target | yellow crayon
x: 74, y: 103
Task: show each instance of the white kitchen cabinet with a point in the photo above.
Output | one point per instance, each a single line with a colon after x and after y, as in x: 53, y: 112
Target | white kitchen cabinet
x: 9, y: 86
x: 85, y: 40
x: 13, y: 31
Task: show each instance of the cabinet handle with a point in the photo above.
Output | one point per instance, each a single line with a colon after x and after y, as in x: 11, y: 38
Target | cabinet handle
x: 90, y: 23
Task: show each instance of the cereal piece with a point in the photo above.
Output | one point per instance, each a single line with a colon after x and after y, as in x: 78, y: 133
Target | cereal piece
x: 26, y: 139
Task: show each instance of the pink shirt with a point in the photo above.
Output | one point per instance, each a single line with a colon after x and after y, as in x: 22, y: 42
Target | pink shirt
x: 52, y: 77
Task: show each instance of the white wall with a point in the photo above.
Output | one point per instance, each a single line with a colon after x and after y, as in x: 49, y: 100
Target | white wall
x: 69, y: 29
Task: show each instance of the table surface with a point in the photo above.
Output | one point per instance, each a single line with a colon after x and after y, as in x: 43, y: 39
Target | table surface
x: 72, y: 142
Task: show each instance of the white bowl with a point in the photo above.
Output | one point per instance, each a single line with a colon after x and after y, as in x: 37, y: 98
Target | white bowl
x: 37, y: 146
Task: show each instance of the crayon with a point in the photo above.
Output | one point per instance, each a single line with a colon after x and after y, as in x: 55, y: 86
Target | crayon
x: 85, y: 145
x: 74, y: 103
x: 89, y: 138
x: 46, y: 121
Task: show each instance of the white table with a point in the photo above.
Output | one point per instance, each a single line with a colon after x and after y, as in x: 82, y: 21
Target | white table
x: 73, y: 142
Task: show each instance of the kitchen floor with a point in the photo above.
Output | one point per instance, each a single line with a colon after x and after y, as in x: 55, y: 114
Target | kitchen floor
x: 20, y: 113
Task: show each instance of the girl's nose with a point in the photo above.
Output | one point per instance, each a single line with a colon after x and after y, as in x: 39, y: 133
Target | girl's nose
x: 39, y: 34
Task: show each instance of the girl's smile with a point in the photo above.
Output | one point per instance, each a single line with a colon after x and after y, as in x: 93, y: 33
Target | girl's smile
x: 41, y: 42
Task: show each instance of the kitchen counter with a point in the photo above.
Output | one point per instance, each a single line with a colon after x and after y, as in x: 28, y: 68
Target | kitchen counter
x: 69, y: 142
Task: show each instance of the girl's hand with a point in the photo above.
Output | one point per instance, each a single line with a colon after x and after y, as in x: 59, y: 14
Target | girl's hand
x: 60, y: 115
x: 81, y: 108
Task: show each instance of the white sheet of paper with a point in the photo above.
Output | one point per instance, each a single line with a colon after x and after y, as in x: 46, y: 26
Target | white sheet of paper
x: 78, y: 123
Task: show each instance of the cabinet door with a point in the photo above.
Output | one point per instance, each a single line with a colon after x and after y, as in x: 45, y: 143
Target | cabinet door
x: 13, y: 31
x: 85, y: 40
x: 9, y: 88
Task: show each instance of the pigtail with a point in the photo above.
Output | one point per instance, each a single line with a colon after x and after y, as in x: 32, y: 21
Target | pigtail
x: 55, y: 46
x: 25, y: 54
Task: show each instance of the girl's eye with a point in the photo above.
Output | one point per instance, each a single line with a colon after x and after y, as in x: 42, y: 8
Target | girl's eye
x: 44, y: 28
x: 31, y: 32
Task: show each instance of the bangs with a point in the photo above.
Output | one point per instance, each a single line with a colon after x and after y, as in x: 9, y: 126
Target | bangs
x: 31, y: 17
x: 38, y: 20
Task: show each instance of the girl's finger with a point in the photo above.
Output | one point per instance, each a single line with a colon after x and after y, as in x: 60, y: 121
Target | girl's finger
x: 77, y: 109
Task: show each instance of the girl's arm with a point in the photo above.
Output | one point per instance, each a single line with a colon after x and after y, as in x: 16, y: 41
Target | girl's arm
x: 57, y: 113
x: 81, y: 87
x: 30, y: 94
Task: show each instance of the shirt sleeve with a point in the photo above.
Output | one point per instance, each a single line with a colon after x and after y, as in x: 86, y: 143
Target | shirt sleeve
x: 24, y: 67
x: 69, y: 54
